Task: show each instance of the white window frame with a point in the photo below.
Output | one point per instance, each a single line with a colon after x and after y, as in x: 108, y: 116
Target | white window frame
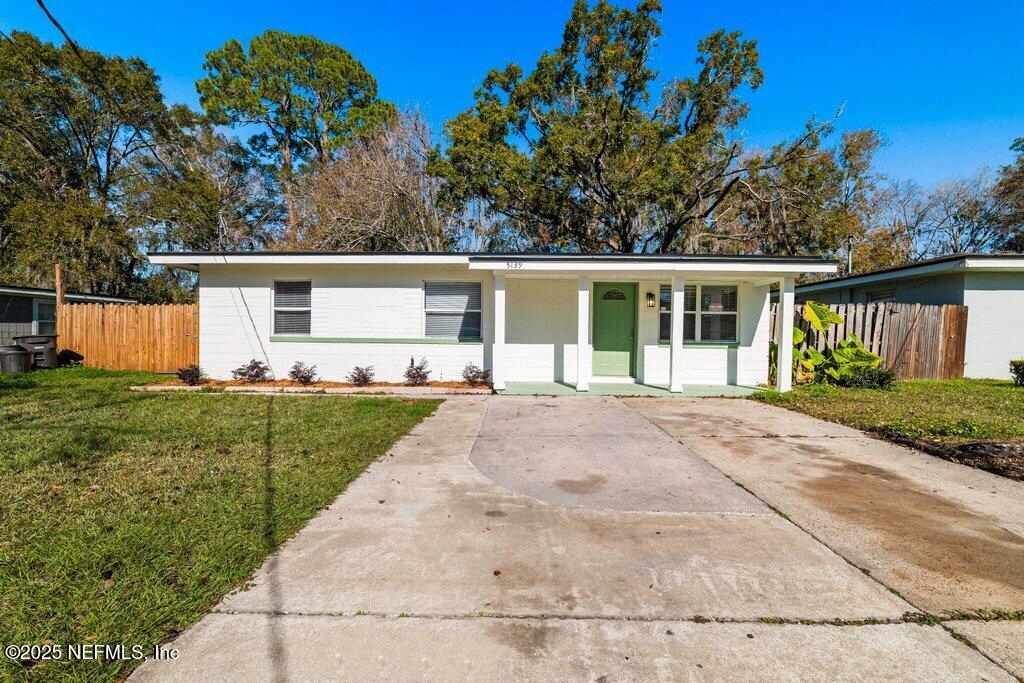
x: 35, y: 314
x: 274, y: 308
x: 697, y: 313
x: 661, y: 313
x: 698, y: 333
x: 423, y: 307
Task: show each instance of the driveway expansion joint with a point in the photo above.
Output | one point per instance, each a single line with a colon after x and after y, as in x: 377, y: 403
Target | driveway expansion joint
x: 909, y: 618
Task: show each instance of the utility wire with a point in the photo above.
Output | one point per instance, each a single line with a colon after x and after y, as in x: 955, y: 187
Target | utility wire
x: 153, y: 147
x: 72, y: 43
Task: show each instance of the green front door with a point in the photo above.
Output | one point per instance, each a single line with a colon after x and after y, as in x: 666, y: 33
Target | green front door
x: 614, y: 327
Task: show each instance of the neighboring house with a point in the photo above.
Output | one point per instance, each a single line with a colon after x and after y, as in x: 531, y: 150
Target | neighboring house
x: 990, y: 285
x: 567, y: 318
x: 27, y: 310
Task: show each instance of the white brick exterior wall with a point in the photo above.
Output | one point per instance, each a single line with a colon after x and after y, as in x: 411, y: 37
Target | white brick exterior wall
x: 540, y: 333
x: 351, y: 301
x: 747, y: 364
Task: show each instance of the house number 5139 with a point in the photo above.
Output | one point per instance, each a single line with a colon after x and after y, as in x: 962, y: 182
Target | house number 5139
x: 513, y: 264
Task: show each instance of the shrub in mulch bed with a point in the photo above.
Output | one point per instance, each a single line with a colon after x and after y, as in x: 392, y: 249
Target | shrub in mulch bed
x: 302, y: 373
x: 416, y: 374
x: 326, y: 384
x: 475, y: 375
x: 361, y: 376
x: 252, y: 372
x: 191, y: 375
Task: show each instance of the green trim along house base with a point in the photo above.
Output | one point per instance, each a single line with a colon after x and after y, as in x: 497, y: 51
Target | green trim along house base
x: 370, y: 340
x: 624, y: 389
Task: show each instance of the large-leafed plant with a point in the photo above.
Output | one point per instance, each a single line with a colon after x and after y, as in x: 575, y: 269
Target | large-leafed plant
x: 849, y: 355
x: 810, y: 364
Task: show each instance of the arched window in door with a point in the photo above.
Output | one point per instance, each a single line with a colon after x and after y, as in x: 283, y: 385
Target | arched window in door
x: 614, y: 295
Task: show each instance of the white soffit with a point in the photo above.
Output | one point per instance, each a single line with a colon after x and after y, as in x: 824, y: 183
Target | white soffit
x: 514, y: 265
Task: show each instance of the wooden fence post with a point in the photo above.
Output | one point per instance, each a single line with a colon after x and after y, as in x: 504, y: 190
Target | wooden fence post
x: 58, y: 286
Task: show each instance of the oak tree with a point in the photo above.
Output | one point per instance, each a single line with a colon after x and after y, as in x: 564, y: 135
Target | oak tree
x: 579, y: 154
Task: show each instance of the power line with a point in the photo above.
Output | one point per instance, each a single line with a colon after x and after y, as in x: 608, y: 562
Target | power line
x: 72, y: 43
x: 151, y: 143
x: 99, y: 80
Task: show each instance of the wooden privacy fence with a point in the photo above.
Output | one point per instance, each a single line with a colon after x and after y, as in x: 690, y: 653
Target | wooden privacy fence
x: 917, y: 341
x: 158, y: 338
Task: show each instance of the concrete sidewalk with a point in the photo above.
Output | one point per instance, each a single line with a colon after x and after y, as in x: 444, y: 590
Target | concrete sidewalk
x: 540, y: 538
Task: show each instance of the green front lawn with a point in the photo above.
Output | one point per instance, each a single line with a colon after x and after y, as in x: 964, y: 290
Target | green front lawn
x: 124, y: 516
x: 953, y: 411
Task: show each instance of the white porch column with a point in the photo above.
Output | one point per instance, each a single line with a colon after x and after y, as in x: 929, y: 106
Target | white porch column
x: 784, y: 328
x: 677, y: 318
x: 583, y: 363
x: 498, y: 346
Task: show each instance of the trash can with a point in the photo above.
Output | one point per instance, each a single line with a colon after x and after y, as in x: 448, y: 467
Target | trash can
x: 43, y: 348
x: 14, y: 359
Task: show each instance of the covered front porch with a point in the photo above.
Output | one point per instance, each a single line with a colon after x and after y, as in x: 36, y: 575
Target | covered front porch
x: 636, y: 325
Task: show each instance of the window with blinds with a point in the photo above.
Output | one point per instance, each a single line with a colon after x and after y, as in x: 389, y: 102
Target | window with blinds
x: 689, y: 314
x: 719, y: 313
x: 293, y: 304
x: 452, y: 310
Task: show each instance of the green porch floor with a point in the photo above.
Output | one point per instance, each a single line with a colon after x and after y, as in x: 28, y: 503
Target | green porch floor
x: 621, y: 389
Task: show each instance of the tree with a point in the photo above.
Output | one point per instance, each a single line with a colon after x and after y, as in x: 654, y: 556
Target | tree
x: 961, y: 215
x: 574, y: 156
x: 964, y: 217
x: 209, y: 195
x: 378, y: 196
x: 72, y: 126
x: 1009, y: 194
x: 309, y: 96
x: 801, y: 198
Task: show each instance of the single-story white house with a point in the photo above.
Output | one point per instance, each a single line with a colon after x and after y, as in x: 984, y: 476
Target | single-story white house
x: 570, y: 318
x: 990, y: 285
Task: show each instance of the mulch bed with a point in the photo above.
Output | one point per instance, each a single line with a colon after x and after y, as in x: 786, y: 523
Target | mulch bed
x: 327, y: 385
x: 1004, y: 459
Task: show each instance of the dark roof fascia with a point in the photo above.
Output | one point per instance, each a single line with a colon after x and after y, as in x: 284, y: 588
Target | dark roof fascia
x: 655, y: 258
x: 501, y: 256
x: 950, y: 258
x: 13, y: 290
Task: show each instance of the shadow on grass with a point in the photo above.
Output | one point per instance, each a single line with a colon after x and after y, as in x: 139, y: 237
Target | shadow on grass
x: 13, y: 382
x: 70, y: 436
x: 83, y: 447
x: 67, y: 417
x: 278, y: 656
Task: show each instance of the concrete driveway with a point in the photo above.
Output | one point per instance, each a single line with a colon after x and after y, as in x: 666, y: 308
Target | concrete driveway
x: 599, y: 538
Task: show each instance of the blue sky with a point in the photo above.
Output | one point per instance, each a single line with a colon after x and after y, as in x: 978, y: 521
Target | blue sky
x: 943, y: 82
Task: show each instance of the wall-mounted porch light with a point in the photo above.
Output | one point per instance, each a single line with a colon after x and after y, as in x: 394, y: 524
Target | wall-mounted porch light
x: 650, y: 299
